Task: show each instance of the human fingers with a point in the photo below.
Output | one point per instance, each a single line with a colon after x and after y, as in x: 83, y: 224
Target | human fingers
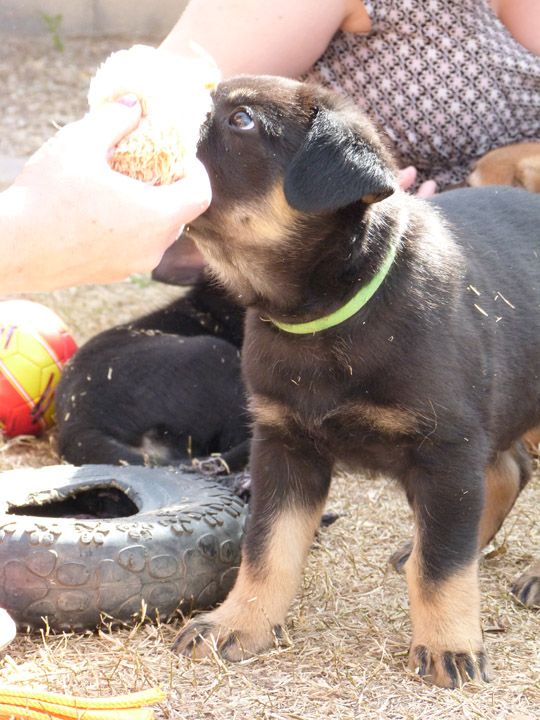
x: 407, y: 177
x: 186, y: 198
x: 427, y: 189
x: 102, y: 129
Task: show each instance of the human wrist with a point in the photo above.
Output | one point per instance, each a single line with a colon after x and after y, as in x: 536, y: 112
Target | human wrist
x: 14, y: 275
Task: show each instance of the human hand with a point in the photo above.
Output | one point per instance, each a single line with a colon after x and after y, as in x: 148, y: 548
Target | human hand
x: 407, y: 178
x: 175, y: 97
x: 71, y: 219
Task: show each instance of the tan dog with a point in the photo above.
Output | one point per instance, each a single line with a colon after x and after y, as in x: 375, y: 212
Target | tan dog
x: 517, y: 165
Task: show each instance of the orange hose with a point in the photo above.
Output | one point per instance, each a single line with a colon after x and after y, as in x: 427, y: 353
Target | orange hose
x: 38, y: 705
x: 8, y: 712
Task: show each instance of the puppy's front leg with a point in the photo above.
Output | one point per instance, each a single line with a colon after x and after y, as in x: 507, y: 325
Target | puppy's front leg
x: 442, y: 575
x: 290, y: 483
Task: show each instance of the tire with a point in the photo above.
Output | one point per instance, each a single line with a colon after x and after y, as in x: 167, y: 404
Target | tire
x: 157, y: 537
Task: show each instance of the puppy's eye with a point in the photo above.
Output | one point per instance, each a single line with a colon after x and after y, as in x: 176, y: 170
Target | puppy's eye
x: 241, y: 120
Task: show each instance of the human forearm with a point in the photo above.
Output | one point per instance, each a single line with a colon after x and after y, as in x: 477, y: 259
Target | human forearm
x: 15, y: 256
x: 257, y: 36
x: 69, y: 219
x: 522, y: 18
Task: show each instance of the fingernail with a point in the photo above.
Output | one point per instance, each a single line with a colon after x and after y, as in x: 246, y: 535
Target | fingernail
x: 129, y: 100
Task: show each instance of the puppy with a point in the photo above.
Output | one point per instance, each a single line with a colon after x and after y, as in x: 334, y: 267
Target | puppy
x: 382, y: 331
x: 517, y: 165
x: 162, y: 389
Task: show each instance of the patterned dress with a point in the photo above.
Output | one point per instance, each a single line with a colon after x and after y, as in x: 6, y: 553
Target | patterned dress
x: 444, y: 79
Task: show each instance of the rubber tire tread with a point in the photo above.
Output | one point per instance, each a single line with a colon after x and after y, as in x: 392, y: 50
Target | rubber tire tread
x: 180, y: 551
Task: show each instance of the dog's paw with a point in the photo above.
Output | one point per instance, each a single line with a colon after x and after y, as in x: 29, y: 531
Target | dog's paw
x: 400, y: 557
x: 205, y: 634
x: 212, y: 466
x: 239, y: 483
x: 527, y: 589
x: 450, y: 669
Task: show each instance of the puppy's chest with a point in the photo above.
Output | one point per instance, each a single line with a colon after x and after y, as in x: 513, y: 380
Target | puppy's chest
x: 330, y: 402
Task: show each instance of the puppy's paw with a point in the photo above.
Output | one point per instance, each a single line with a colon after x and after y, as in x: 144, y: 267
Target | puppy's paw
x: 212, y: 466
x: 527, y: 588
x: 208, y: 632
x: 400, y: 557
x: 450, y: 669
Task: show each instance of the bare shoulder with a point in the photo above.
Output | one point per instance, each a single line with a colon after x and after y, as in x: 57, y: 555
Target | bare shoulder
x: 522, y: 18
x: 357, y: 18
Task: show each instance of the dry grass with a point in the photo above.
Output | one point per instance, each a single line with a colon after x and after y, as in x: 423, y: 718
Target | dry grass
x: 43, y: 88
x: 349, y: 626
x: 349, y: 630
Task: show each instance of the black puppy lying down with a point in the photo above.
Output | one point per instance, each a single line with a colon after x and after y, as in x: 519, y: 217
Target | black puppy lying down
x: 163, y: 389
x: 382, y: 331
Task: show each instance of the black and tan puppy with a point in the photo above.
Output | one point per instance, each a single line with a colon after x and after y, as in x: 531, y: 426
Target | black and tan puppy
x: 383, y: 332
x: 162, y: 389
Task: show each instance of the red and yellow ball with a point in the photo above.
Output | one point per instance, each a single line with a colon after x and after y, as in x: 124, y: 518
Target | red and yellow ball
x: 34, y: 346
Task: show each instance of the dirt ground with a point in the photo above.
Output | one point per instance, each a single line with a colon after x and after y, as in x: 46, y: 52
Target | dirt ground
x: 349, y: 626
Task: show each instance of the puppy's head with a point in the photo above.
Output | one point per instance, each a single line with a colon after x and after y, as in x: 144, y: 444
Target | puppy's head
x: 284, y: 159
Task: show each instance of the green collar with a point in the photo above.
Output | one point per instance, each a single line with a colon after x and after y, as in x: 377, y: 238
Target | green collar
x: 346, y: 311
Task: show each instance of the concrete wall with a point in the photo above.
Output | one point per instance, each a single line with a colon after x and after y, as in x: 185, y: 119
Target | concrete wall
x: 145, y: 18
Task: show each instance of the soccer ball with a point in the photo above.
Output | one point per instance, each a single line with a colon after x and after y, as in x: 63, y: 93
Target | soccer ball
x: 34, y: 346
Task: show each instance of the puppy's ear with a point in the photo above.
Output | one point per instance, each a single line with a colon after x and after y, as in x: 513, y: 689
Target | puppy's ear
x: 336, y: 166
x: 181, y: 264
